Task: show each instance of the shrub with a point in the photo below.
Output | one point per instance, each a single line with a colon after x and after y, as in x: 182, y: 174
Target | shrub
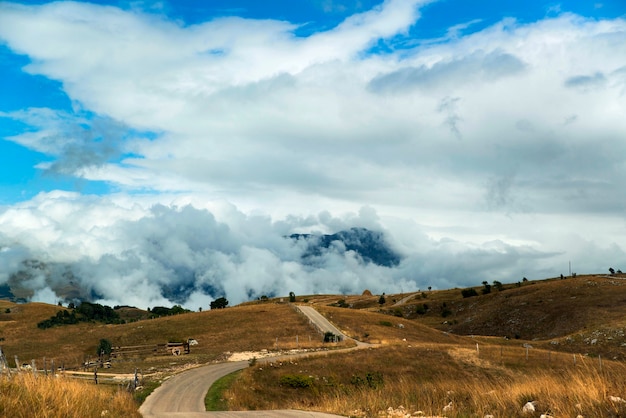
x: 342, y: 303
x: 468, y: 293
x: 329, y: 337
x: 373, y: 380
x: 104, y: 347
x: 421, y: 309
x: 385, y: 323
x: 486, y: 288
x: 174, y: 310
x: 219, y: 303
x: 296, y: 381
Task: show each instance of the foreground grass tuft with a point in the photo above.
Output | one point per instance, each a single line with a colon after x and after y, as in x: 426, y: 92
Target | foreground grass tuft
x: 29, y: 396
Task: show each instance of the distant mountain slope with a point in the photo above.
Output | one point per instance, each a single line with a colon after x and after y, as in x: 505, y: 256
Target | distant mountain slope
x: 369, y: 245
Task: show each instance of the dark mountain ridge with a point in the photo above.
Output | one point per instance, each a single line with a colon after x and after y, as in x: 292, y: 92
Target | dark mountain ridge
x: 369, y: 245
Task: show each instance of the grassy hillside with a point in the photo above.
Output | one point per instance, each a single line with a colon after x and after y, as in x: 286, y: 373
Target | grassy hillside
x: 427, y: 342
x: 241, y: 328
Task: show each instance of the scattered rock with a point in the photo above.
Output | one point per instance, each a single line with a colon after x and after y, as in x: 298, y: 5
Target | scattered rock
x: 529, y: 408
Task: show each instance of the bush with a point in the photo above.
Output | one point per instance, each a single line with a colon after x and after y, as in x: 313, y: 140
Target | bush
x: 219, y: 303
x: 468, y: 293
x: 174, y: 310
x: 373, y: 380
x: 385, y: 323
x: 421, y: 309
x: 104, y: 347
x: 296, y: 381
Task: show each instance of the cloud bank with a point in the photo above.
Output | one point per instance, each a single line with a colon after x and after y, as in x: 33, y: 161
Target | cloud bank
x: 117, y: 250
x: 487, y: 156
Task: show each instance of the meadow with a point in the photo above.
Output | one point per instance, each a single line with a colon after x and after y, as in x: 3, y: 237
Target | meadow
x: 559, y: 344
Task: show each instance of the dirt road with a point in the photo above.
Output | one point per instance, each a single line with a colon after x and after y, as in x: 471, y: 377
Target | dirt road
x: 320, y: 322
x: 183, y: 394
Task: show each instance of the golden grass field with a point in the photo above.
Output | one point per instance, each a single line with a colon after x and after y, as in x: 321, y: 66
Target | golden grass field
x: 423, y: 360
x: 29, y: 396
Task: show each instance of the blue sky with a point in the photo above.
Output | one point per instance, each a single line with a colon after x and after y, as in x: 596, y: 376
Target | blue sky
x: 490, y: 132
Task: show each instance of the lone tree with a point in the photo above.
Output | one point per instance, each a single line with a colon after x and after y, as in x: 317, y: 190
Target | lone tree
x: 486, y: 288
x: 104, y: 347
x: 219, y: 303
x: 382, y: 300
x: 292, y: 297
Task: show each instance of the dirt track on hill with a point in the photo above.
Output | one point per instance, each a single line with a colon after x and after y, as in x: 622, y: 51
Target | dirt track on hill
x: 183, y: 394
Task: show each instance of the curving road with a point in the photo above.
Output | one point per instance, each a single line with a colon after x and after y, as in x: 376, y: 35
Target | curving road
x: 183, y: 394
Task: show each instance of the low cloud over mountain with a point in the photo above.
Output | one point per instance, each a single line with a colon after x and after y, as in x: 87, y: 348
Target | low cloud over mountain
x: 135, y: 252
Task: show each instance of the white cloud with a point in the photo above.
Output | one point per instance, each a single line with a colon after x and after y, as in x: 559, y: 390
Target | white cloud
x: 45, y: 295
x: 500, y: 151
x: 147, y: 255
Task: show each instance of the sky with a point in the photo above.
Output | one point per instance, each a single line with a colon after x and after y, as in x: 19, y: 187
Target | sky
x: 159, y: 152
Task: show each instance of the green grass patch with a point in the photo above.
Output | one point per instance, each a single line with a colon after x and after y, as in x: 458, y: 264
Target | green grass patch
x: 214, y: 400
x: 146, y: 389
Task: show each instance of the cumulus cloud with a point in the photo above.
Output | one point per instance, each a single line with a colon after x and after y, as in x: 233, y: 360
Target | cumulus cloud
x: 148, y: 255
x: 475, y: 67
x: 498, y: 151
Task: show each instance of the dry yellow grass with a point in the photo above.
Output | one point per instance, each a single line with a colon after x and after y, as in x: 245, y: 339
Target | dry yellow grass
x: 427, y: 378
x: 27, y: 396
x: 419, y: 367
x: 268, y: 326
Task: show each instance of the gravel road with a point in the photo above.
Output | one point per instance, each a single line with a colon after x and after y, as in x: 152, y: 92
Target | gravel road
x: 183, y: 394
x: 319, y: 321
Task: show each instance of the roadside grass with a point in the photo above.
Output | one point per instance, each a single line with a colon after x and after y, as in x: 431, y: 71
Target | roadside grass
x: 427, y: 378
x: 28, y: 396
x: 148, y: 386
x: 215, y: 399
